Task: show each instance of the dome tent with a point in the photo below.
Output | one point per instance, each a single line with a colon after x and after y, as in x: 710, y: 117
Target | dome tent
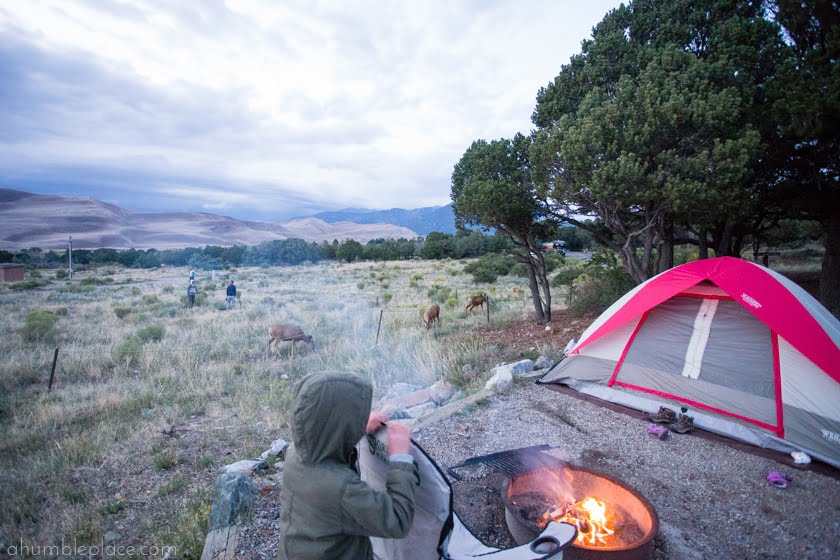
x: 749, y: 352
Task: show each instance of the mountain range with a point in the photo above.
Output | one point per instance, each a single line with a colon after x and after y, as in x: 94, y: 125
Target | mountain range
x: 46, y: 221
x: 421, y: 220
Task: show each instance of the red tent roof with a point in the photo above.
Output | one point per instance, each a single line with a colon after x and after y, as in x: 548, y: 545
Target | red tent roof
x: 751, y: 286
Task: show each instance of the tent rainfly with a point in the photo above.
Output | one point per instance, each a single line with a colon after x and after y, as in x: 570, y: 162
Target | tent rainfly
x: 748, y: 352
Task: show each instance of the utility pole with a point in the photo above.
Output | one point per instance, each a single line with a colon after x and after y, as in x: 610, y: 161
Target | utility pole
x: 70, y: 257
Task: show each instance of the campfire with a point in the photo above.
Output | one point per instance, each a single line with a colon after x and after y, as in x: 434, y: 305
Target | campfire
x: 613, y: 521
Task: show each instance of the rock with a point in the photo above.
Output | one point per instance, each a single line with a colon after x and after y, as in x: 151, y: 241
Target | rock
x: 542, y: 363
x: 441, y: 392
x: 111, y: 536
x: 234, y: 497
x: 421, y: 410
x: 394, y: 411
x: 516, y: 368
x: 398, y: 389
x: 277, y: 449
x: 548, y: 329
x: 245, y: 466
x: 501, y: 381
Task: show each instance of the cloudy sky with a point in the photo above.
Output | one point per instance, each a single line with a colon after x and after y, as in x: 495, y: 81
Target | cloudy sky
x: 269, y: 108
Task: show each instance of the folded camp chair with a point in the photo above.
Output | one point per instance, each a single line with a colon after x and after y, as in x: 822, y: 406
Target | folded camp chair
x: 437, y: 533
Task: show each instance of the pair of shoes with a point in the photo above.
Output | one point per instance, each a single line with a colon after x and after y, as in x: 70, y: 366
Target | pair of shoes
x: 684, y: 425
x: 663, y: 416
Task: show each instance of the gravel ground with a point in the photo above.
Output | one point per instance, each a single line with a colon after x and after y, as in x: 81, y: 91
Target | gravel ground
x: 713, y: 500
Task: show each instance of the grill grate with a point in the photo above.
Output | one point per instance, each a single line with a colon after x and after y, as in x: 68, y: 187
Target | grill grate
x: 512, y: 462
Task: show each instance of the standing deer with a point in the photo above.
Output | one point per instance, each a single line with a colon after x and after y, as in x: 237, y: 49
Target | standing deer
x: 292, y: 333
x: 432, y: 315
x: 476, y: 301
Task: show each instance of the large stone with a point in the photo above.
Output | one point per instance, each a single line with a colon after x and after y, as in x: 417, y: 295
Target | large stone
x: 501, y: 381
x: 421, y: 410
x: 542, y: 363
x: 277, y: 449
x: 441, y: 392
x: 245, y: 466
x: 234, y: 496
x: 516, y: 368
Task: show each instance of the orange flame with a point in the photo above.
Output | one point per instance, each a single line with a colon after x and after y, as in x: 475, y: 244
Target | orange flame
x: 590, y: 517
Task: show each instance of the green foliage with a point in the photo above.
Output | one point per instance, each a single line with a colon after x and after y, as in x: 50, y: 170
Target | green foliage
x: 452, y: 303
x: 96, y: 281
x: 489, y: 267
x: 150, y: 299
x: 387, y: 296
x: 604, y: 283
x: 122, y: 312
x: 566, y: 276
x: 61, y: 312
x: 39, y: 327
x: 26, y: 285
x: 128, y: 350
x: 76, y: 289
x: 439, y: 293
x: 151, y: 333
x: 360, y: 285
x: 135, y: 291
x: 166, y: 459
x: 61, y: 274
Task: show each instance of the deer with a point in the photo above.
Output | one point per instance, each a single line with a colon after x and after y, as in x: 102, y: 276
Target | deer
x: 431, y: 316
x: 476, y: 301
x: 293, y: 333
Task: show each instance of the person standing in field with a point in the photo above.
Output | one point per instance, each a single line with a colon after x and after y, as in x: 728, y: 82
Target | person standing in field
x: 191, y: 290
x: 231, y: 295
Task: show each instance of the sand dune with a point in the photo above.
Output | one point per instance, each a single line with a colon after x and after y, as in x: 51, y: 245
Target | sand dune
x: 33, y: 220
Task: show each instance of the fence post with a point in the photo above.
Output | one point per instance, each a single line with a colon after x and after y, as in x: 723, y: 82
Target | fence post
x: 379, y: 326
x: 52, y: 373
x: 488, y: 310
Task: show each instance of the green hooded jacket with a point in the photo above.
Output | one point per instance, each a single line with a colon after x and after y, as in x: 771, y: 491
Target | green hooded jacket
x: 327, y: 511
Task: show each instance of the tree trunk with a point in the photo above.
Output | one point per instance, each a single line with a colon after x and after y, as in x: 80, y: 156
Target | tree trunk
x: 724, y: 246
x: 703, y: 243
x: 830, y: 277
x: 535, y: 292
x: 665, y: 260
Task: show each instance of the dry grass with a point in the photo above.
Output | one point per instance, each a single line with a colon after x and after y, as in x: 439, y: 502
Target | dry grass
x: 99, y: 453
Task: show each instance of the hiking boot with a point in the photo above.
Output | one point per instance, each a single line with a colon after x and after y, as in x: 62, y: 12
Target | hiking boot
x: 664, y: 416
x: 684, y: 425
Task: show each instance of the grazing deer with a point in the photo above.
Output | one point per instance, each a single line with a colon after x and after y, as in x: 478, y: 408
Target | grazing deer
x: 476, y: 301
x: 293, y: 333
x: 432, y: 315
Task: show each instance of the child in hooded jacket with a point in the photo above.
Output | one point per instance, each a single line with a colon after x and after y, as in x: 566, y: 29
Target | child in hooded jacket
x: 327, y: 511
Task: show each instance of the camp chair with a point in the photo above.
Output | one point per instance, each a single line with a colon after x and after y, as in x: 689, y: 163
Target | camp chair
x: 437, y: 533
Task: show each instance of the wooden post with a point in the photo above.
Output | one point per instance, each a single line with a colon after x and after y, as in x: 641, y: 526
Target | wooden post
x: 488, y: 310
x: 70, y: 258
x: 52, y: 373
x: 379, y: 326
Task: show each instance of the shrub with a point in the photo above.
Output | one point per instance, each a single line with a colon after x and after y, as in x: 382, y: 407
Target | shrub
x: 360, y: 285
x: 439, y: 293
x: 150, y: 299
x: 135, y: 291
x: 128, y: 350
x: 151, y: 333
x: 566, y: 276
x: 61, y: 312
x: 26, y: 285
x: 96, y: 281
x: 387, y: 296
x: 489, y: 267
x: 76, y: 289
x: 61, y: 274
x: 604, y: 283
x: 122, y: 312
x: 451, y: 303
x: 166, y: 459
x: 168, y: 289
x: 39, y: 327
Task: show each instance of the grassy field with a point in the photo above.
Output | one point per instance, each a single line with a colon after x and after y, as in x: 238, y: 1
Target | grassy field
x: 152, y: 398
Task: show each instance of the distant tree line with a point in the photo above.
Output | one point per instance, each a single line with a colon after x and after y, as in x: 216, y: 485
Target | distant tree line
x: 464, y: 244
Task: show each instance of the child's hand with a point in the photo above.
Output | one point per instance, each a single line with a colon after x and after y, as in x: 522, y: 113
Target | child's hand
x: 375, y: 421
x: 399, y: 438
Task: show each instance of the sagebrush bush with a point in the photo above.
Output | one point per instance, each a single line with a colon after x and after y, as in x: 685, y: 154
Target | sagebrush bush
x: 489, y: 267
x: 26, y: 285
x: 39, y: 327
x: 122, y: 312
x: 605, y: 281
x: 151, y: 333
x: 61, y: 274
x: 439, y: 293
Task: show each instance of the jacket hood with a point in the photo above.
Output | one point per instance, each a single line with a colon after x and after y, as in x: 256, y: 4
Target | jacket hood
x: 329, y: 415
